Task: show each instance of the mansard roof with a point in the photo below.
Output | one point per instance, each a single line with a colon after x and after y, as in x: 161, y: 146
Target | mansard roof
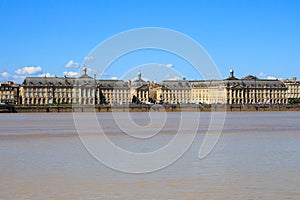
x: 176, y: 84
x: 198, y: 83
x: 144, y: 87
x: 85, y: 76
x: 233, y: 78
x: 112, y: 84
x: 246, y: 82
x: 207, y: 83
x: 252, y: 82
x: 138, y: 83
x: 250, y: 77
x: 47, y: 81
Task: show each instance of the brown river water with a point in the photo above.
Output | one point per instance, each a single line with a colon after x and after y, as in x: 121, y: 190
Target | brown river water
x: 256, y: 157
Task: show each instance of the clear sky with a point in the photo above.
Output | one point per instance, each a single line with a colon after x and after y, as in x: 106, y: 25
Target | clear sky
x: 258, y: 37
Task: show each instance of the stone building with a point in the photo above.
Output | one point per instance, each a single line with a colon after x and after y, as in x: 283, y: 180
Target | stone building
x: 175, y: 91
x: 247, y: 90
x: 208, y: 92
x: 293, y: 88
x: 58, y: 90
x: 112, y: 92
x: 9, y: 93
x: 86, y: 90
x: 154, y: 89
x: 46, y: 90
x: 139, y: 90
x: 252, y: 90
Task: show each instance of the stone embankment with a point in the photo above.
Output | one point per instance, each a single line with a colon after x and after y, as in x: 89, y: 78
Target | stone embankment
x: 147, y: 108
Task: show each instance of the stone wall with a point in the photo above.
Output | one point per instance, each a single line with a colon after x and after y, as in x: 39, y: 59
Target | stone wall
x: 151, y: 108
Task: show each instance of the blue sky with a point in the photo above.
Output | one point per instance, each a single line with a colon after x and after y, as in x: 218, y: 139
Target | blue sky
x: 259, y: 37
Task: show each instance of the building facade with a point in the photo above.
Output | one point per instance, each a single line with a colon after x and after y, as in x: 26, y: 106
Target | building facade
x: 175, y: 92
x: 9, y: 93
x: 139, y: 90
x: 86, y: 90
x: 247, y: 90
x: 46, y: 90
x: 252, y: 90
x: 293, y: 89
x: 208, y: 92
x: 112, y: 92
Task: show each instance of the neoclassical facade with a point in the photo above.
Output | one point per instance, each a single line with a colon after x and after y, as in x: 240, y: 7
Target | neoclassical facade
x: 139, y: 90
x: 247, y: 90
x: 175, y: 91
x: 112, y: 92
x: 252, y: 90
x: 293, y: 88
x: 46, y: 90
x: 9, y: 93
x: 86, y: 90
x: 208, y: 92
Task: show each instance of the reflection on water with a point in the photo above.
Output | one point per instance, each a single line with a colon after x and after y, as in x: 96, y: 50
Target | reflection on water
x: 257, y: 157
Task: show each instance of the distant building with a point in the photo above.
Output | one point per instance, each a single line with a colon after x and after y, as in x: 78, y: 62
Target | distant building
x: 86, y: 90
x: 112, y: 92
x: 58, y: 90
x: 208, y: 92
x: 175, y: 91
x: 46, y: 90
x: 139, y: 90
x: 293, y: 88
x: 247, y: 90
x: 252, y: 90
x: 9, y: 93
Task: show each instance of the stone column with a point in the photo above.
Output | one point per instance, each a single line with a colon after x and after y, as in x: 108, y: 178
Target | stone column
x: 242, y: 96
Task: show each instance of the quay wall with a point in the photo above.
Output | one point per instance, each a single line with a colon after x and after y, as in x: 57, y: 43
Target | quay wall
x: 147, y: 108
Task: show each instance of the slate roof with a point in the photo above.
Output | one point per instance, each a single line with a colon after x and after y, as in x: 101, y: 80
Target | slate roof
x: 112, y: 84
x: 251, y: 81
x: 48, y: 81
x: 176, y: 84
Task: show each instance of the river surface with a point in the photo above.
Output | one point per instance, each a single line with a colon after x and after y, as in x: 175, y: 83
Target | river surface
x: 256, y: 157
